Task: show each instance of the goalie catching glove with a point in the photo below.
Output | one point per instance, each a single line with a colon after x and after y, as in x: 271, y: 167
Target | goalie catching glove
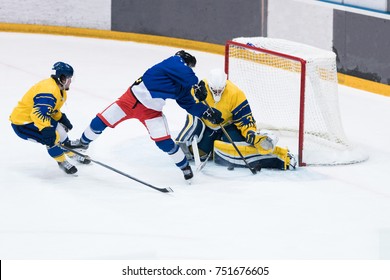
x: 200, y: 91
x: 265, y: 141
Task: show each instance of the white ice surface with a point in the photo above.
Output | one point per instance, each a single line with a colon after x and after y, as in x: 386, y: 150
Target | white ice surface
x: 340, y: 212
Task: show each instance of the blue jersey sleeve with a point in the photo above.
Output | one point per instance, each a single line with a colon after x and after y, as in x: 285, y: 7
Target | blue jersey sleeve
x: 188, y: 103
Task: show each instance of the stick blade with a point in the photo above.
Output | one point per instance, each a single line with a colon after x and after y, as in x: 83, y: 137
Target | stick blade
x: 165, y: 190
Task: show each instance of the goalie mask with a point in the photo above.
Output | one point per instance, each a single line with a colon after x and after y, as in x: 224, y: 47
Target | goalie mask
x: 217, y: 83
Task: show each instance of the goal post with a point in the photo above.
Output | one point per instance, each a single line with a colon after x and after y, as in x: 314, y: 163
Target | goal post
x: 292, y: 89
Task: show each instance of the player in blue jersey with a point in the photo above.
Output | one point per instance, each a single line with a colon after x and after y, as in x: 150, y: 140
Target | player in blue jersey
x: 173, y: 78
x: 38, y: 117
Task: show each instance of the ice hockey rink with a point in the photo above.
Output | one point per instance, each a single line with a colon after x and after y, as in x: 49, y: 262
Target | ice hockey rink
x: 312, y: 213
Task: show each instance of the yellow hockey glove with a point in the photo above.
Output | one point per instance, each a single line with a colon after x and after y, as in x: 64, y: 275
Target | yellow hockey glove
x: 264, y: 142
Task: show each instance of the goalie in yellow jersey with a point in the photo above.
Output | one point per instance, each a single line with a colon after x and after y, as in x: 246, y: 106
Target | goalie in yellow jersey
x: 258, y: 148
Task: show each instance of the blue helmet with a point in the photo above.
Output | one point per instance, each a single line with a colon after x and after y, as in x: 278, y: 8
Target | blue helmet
x: 62, y: 68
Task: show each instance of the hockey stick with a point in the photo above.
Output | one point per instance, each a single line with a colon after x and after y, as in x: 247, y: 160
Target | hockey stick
x: 203, y: 164
x: 234, y: 145
x: 164, y: 190
x: 195, y: 151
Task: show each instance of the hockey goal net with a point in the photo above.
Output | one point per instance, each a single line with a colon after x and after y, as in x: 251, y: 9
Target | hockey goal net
x: 292, y: 89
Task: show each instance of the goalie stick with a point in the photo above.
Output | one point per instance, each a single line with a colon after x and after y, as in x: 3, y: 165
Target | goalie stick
x: 203, y: 164
x: 253, y: 170
x: 164, y: 190
x: 195, y: 151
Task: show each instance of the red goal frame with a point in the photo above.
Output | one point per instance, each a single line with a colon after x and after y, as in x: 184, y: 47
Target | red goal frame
x: 301, y: 125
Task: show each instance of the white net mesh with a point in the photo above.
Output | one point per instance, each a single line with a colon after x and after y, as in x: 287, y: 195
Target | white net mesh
x: 272, y: 83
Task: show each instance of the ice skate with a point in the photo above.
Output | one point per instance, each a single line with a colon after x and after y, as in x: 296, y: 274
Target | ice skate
x: 187, y: 172
x: 84, y: 159
x: 76, y: 144
x: 67, y: 167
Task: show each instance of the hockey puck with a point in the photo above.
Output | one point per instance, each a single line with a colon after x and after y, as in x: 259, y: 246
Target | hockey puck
x: 230, y: 167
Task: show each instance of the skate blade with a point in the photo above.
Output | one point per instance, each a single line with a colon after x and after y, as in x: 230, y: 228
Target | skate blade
x: 70, y: 175
x: 189, y: 181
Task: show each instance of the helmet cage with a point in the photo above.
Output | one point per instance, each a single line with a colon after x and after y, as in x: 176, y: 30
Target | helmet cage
x: 217, y: 92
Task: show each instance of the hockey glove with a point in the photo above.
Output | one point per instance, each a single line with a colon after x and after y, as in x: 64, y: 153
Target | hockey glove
x: 65, y: 122
x: 213, y: 115
x: 264, y: 142
x: 200, y: 91
x: 48, y: 136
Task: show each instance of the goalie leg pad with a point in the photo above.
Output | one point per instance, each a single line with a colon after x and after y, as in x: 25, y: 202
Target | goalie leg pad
x: 186, y: 150
x: 225, y: 154
x: 193, y: 126
x: 207, y: 143
x: 284, y: 155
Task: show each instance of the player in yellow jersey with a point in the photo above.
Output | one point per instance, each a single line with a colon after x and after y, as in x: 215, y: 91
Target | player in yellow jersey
x: 258, y: 147
x: 38, y: 117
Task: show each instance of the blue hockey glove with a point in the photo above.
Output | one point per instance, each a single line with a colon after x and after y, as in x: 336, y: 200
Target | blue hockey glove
x: 48, y: 136
x: 213, y: 115
x: 66, y: 122
x: 200, y: 91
